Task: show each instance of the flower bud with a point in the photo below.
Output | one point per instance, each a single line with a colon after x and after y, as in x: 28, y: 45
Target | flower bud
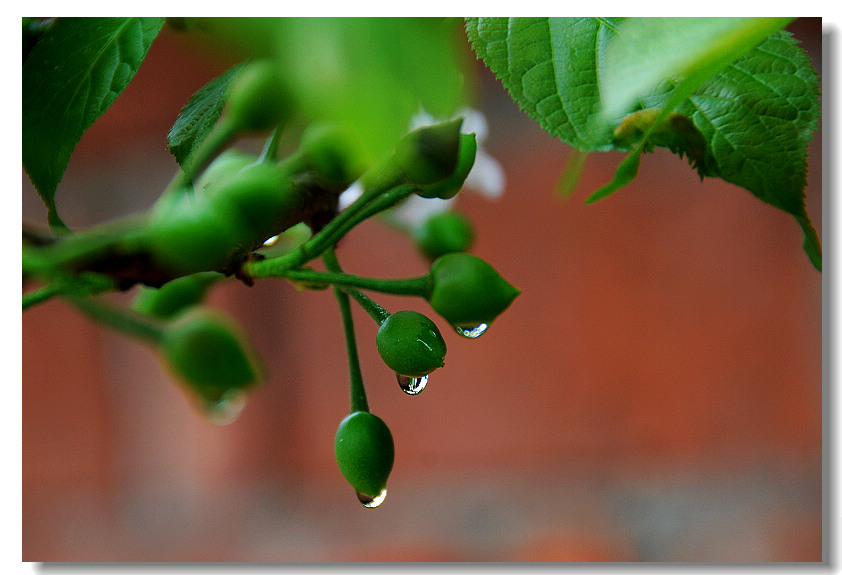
x: 466, y: 291
x: 174, y: 296
x: 329, y: 155
x: 449, y: 187
x: 258, y: 99
x: 430, y: 154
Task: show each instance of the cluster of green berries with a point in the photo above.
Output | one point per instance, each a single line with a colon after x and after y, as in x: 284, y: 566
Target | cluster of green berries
x: 237, y: 203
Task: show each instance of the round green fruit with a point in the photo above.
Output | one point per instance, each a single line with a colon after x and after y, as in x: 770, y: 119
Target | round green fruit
x: 444, y: 233
x: 410, y: 344
x: 258, y: 99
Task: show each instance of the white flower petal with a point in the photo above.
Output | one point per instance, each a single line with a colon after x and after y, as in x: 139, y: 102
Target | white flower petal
x: 474, y: 123
x: 415, y: 210
x: 350, y: 195
x: 486, y: 176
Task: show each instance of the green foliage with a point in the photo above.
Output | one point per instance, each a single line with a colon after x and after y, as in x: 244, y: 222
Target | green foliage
x: 735, y: 96
x: 73, y: 74
x: 199, y: 115
x: 550, y: 66
x: 368, y: 76
x: 739, y: 103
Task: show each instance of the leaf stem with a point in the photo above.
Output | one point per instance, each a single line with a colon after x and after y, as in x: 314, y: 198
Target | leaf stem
x: 367, y: 205
x: 359, y: 402
x: 40, y: 295
x: 120, y: 319
x: 415, y: 286
x: 370, y: 306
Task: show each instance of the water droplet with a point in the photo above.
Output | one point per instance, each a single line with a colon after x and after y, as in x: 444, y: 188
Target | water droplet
x: 227, y: 409
x: 471, y: 332
x: 412, y: 385
x: 372, y: 502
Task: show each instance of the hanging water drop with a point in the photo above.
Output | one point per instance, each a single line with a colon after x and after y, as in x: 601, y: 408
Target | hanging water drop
x: 372, y: 502
x: 471, y: 332
x: 412, y: 385
x: 227, y: 409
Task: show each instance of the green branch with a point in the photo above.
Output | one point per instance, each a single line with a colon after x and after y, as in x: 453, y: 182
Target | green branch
x: 359, y: 402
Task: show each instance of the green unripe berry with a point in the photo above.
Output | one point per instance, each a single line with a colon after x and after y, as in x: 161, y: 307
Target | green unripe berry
x: 258, y: 99
x: 451, y: 186
x: 430, y: 154
x: 174, y: 296
x: 410, y: 344
x: 466, y: 291
x: 365, y: 452
x: 225, y: 165
x: 209, y: 353
x: 260, y: 198
x: 329, y: 154
x: 190, y: 236
x: 444, y: 233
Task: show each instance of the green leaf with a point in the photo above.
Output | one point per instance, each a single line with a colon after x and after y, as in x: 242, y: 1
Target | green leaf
x: 757, y: 115
x: 199, y: 115
x: 647, y: 51
x: 368, y: 76
x: 73, y: 74
x: 550, y: 68
x: 741, y: 104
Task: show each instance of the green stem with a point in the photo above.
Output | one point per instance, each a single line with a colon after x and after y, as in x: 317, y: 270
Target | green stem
x: 120, y: 319
x: 358, y: 398
x: 367, y: 205
x: 416, y: 286
x: 39, y: 295
x: 371, y: 307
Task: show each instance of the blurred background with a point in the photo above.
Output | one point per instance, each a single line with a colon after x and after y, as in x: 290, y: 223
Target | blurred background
x: 654, y: 394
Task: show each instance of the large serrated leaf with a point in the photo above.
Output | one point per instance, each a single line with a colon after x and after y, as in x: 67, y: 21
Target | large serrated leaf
x: 76, y: 70
x: 648, y: 50
x: 740, y: 107
x: 550, y: 67
x: 758, y: 114
x: 199, y: 114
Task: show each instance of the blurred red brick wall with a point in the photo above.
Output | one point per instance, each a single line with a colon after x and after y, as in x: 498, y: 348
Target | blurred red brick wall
x: 654, y: 393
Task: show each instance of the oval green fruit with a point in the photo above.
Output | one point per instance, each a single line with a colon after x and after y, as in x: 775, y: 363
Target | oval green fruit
x: 210, y: 354
x: 365, y: 452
